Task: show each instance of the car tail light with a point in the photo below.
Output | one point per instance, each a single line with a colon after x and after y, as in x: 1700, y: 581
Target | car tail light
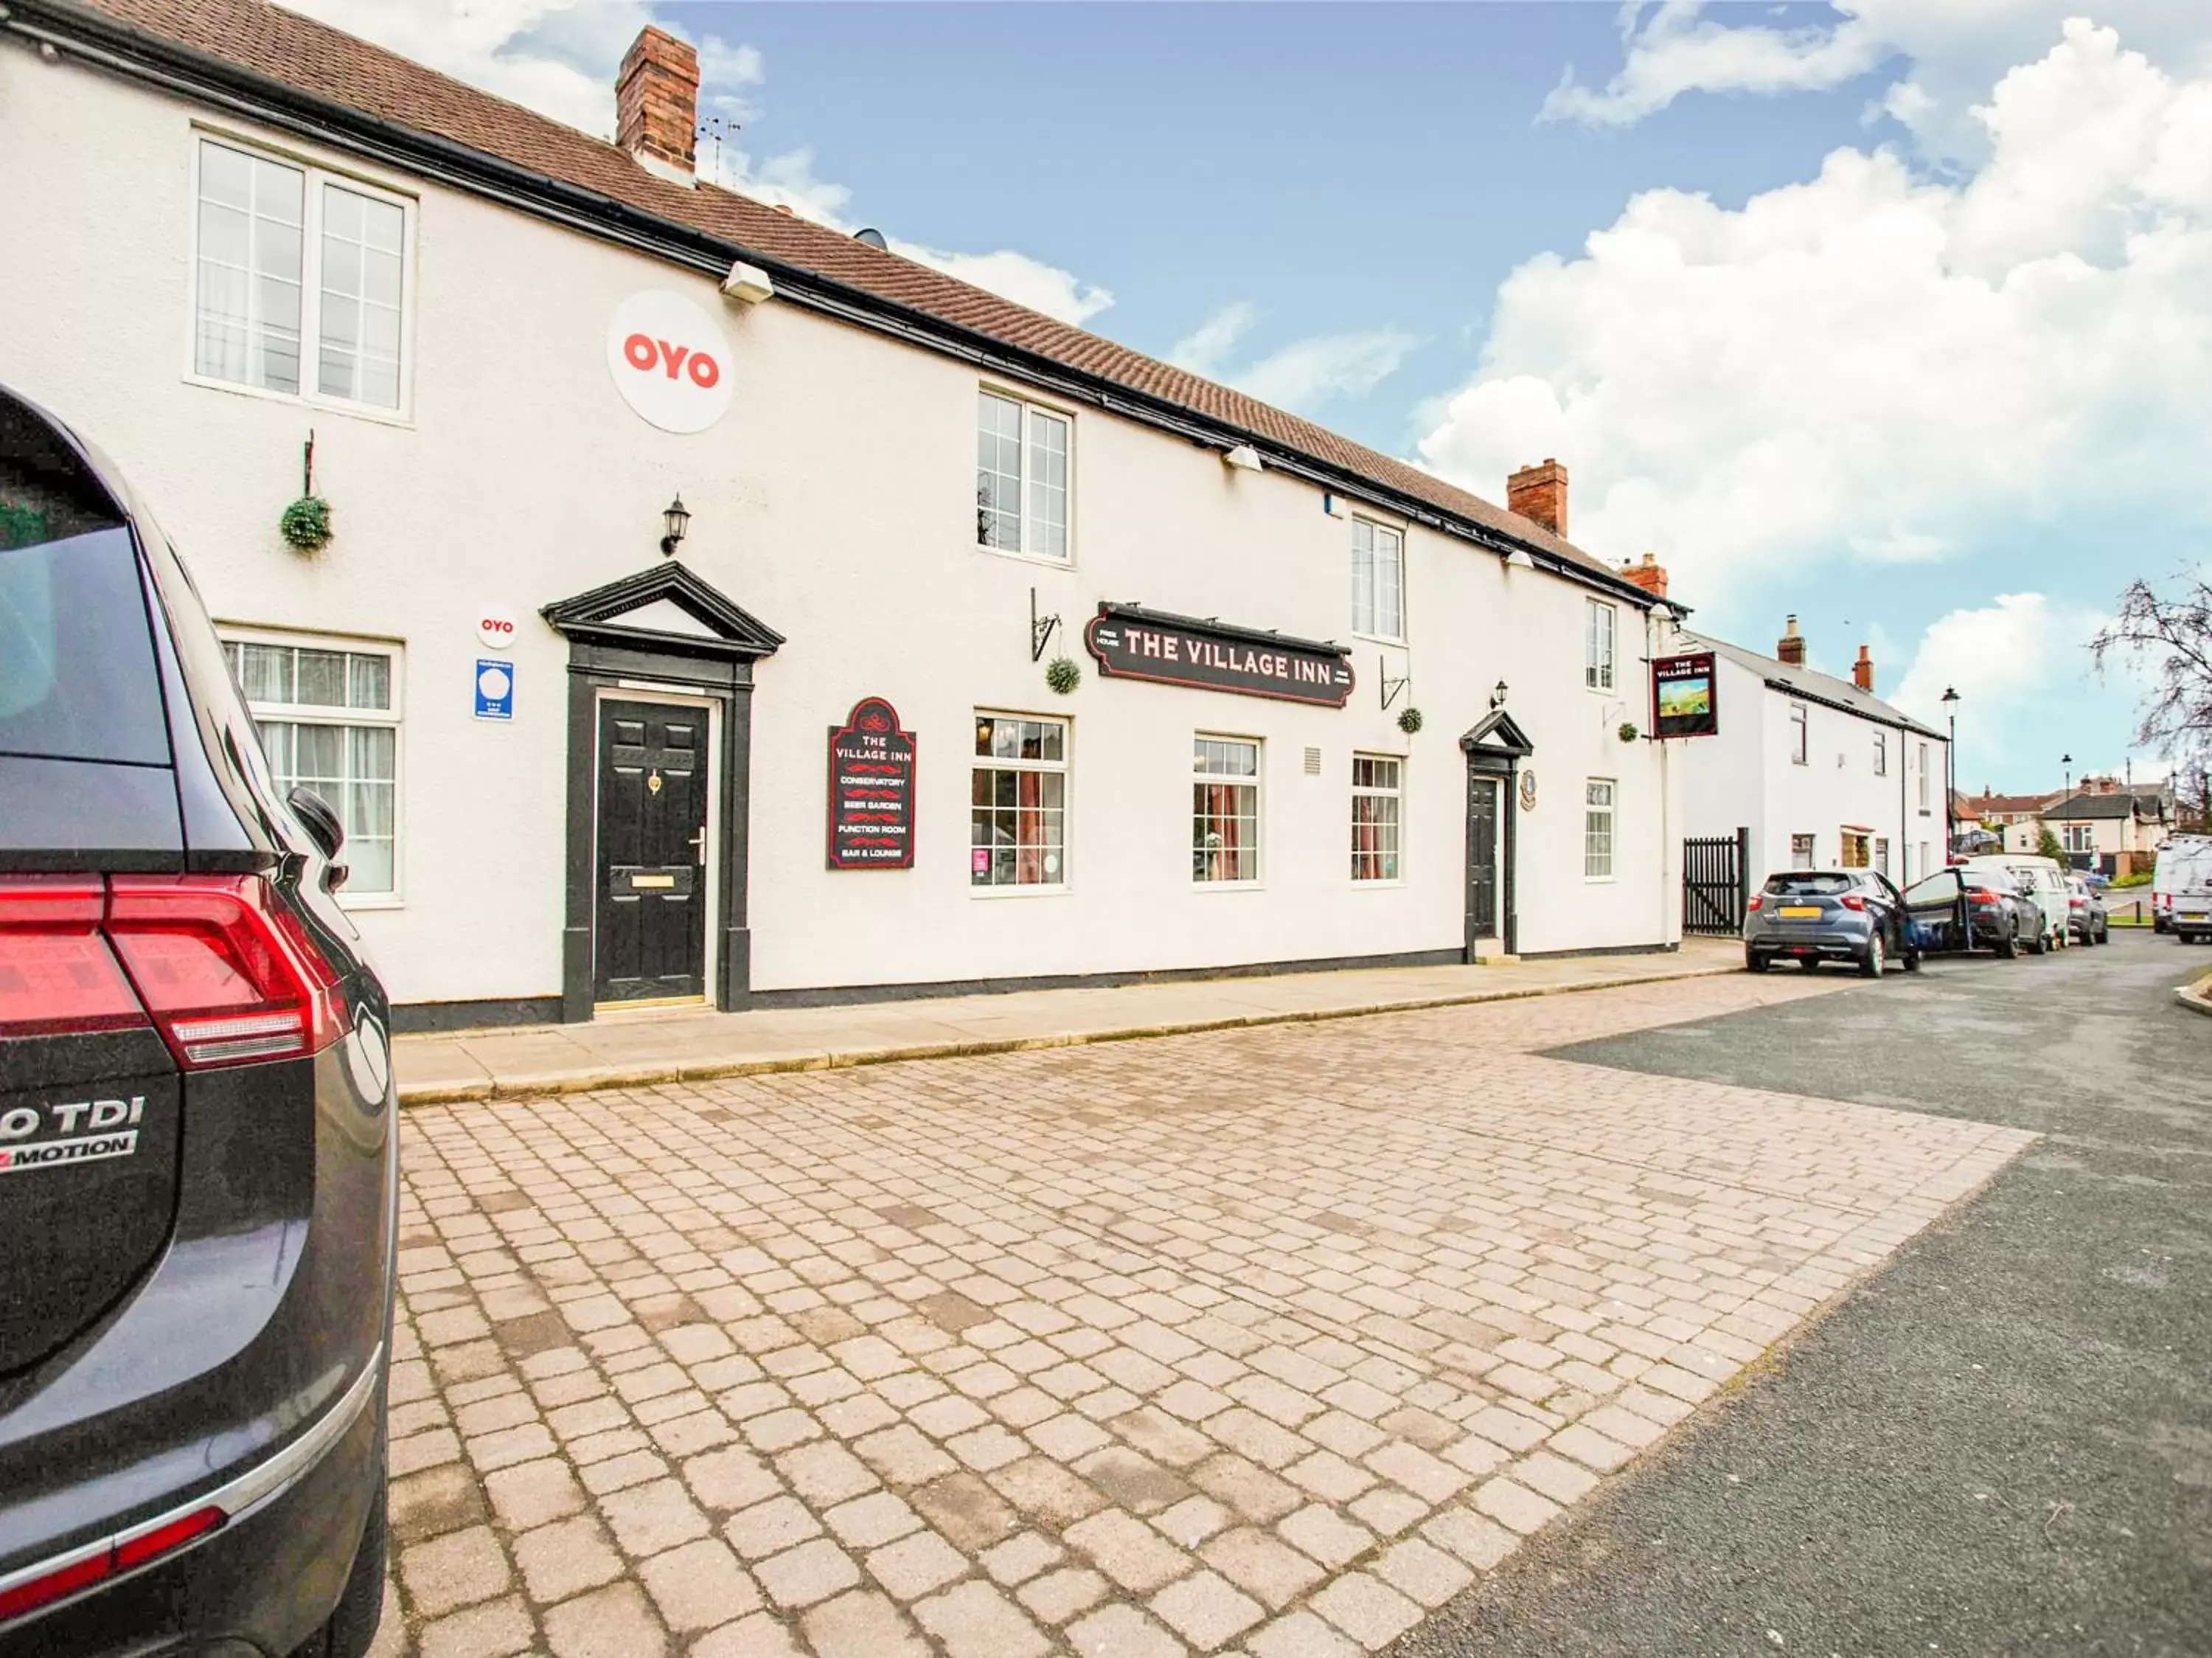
x: 124, y: 1553
x: 57, y: 975
x: 1981, y: 895
x: 1852, y: 901
x: 1752, y: 902
x: 228, y: 973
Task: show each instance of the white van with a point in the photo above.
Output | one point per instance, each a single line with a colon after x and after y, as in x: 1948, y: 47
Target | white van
x: 2181, y: 887
x: 2048, y: 882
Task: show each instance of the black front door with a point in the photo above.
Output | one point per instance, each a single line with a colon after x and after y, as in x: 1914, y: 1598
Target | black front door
x: 1482, y: 795
x: 651, y: 923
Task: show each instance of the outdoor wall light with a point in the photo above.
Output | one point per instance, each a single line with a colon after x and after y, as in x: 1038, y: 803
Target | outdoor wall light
x: 1497, y: 695
x: 675, y: 520
x: 1244, y: 456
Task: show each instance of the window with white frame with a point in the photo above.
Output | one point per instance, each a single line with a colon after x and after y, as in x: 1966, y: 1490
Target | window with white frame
x: 328, y: 713
x: 1797, y: 734
x: 1376, y: 795
x: 2078, y: 837
x: 1882, y: 753
x: 1601, y: 625
x: 1924, y: 777
x: 1802, y: 853
x: 300, y: 280
x: 1021, y: 456
x: 1017, y: 812
x: 1597, y: 829
x: 1881, y: 854
x: 1857, y: 849
x: 1225, y: 810
x: 1378, y: 580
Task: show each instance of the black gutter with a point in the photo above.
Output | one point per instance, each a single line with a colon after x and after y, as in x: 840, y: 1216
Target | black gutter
x: 137, y: 54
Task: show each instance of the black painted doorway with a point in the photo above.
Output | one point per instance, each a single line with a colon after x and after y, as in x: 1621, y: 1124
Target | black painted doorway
x: 1482, y: 805
x: 650, y: 919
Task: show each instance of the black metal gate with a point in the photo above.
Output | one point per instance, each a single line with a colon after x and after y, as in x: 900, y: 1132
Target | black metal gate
x: 1714, y: 870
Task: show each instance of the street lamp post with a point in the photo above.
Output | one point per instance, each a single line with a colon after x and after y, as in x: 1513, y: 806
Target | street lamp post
x: 1951, y: 777
x: 2066, y: 798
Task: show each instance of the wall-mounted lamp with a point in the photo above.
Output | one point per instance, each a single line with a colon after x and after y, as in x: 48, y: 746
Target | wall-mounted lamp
x: 1243, y: 455
x: 676, y: 521
x: 748, y: 284
x: 1519, y: 559
x: 1497, y: 695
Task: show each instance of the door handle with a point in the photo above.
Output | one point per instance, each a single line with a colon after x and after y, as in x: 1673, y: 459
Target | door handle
x: 699, y: 845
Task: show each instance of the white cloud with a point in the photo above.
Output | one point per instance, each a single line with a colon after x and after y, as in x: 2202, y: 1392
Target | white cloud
x: 1956, y: 49
x: 1304, y: 375
x: 560, y: 56
x: 2021, y: 647
x: 1877, y: 365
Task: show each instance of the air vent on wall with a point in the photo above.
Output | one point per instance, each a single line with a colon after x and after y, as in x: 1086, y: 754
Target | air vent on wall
x: 1313, y: 762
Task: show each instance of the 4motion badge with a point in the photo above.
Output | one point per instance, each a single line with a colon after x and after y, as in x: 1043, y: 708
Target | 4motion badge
x: 87, y: 1131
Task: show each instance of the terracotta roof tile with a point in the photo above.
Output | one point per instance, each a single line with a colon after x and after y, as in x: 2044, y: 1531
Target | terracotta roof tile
x: 317, y: 59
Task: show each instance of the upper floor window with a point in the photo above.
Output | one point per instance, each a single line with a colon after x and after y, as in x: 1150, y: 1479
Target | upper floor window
x: 1797, y: 719
x: 1882, y: 753
x: 1378, y: 580
x: 1600, y: 625
x: 1021, y: 456
x: 1924, y: 777
x: 329, y: 717
x: 300, y: 281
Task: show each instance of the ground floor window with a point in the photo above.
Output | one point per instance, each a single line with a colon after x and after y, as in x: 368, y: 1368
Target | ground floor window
x: 1018, y: 811
x: 1856, y: 848
x: 328, y: 712
x: 1225, y: 809
x: 1926, y: 868
x: 1801, y: 851
x: 1881, y: 854
x: 1375, y: 798
x: 1597, y: 829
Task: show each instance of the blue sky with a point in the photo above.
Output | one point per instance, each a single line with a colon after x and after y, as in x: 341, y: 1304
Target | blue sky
x: 1896, y: 314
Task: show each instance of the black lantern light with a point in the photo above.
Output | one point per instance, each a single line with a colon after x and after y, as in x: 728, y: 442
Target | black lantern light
x: 676, y: 521
x: 1497, y: 695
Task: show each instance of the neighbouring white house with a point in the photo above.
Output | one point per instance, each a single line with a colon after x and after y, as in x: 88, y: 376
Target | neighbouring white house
x: 1811, y: 771
x: 720, y: 608
x: 2107, y: 825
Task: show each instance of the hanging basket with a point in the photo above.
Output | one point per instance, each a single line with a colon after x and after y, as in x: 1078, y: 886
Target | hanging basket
x: 1410, y: 721
x: 1062, y: 675
x: 1628, y: 731
x: 306, y: 524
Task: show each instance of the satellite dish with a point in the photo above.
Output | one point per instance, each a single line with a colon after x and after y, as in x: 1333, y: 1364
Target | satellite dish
x: 874, y: 237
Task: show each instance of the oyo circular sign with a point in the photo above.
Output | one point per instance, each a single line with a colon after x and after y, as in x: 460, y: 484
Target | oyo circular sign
x: 670, y: 360
x: 496, y: 628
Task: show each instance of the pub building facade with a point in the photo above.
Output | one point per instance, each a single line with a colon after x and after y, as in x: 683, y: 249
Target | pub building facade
x: 717, y: 607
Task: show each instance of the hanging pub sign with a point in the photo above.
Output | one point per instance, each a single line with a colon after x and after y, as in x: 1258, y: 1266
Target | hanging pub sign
x: 1132, y: 644
x: 1685, y: 696
x: 870, y: 789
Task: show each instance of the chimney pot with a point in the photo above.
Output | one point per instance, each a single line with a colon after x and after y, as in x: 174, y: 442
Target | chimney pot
x: 1540, y: 495
x: 657, y: 104
x: 1650, y: 576
x: 1791, y: 649
x: 1863, y: 672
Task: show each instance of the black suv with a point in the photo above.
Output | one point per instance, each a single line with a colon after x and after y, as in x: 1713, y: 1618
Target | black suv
x: 199, y: 1141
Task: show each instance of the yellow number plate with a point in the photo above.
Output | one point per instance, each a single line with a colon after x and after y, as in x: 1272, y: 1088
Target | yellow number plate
x: 1799, y: 910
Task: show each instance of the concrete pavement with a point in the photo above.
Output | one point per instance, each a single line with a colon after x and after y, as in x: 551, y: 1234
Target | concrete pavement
x: 663, y: 1046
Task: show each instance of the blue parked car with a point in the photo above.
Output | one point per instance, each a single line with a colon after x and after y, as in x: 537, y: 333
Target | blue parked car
x: 1812, y: 915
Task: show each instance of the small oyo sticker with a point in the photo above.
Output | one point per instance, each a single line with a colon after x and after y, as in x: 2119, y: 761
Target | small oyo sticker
x: 496, y: 628
x: 670, y: 360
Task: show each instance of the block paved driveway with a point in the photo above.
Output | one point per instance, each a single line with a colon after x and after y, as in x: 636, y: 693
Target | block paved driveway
x: 1262, y: 1341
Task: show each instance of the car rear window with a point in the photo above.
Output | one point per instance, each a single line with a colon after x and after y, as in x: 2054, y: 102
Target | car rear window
x: 1807, y: 884
x: 77, y: 678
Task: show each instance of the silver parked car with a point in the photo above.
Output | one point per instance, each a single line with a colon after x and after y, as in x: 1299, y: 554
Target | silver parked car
x: 1812, y: 915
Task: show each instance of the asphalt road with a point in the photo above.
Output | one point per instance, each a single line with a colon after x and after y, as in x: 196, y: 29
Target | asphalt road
x: 2000, y: 1444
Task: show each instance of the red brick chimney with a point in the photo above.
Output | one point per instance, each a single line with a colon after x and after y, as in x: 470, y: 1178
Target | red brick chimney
x: 1650, y: 576
x: 1540, y: 493
x: 1863, y: 672
x: 1791, y: 648
x: 657, y: 103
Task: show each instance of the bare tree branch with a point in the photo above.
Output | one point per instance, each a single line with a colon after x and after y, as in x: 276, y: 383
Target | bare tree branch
x: 2169, y: 640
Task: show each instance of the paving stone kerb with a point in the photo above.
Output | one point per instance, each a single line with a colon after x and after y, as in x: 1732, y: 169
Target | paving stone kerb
x: 525, y: 1062
x: 1263, y: 1341
x: 2196, y: 994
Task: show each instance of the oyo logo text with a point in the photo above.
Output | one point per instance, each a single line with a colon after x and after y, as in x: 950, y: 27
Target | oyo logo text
x: 667, y: 356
